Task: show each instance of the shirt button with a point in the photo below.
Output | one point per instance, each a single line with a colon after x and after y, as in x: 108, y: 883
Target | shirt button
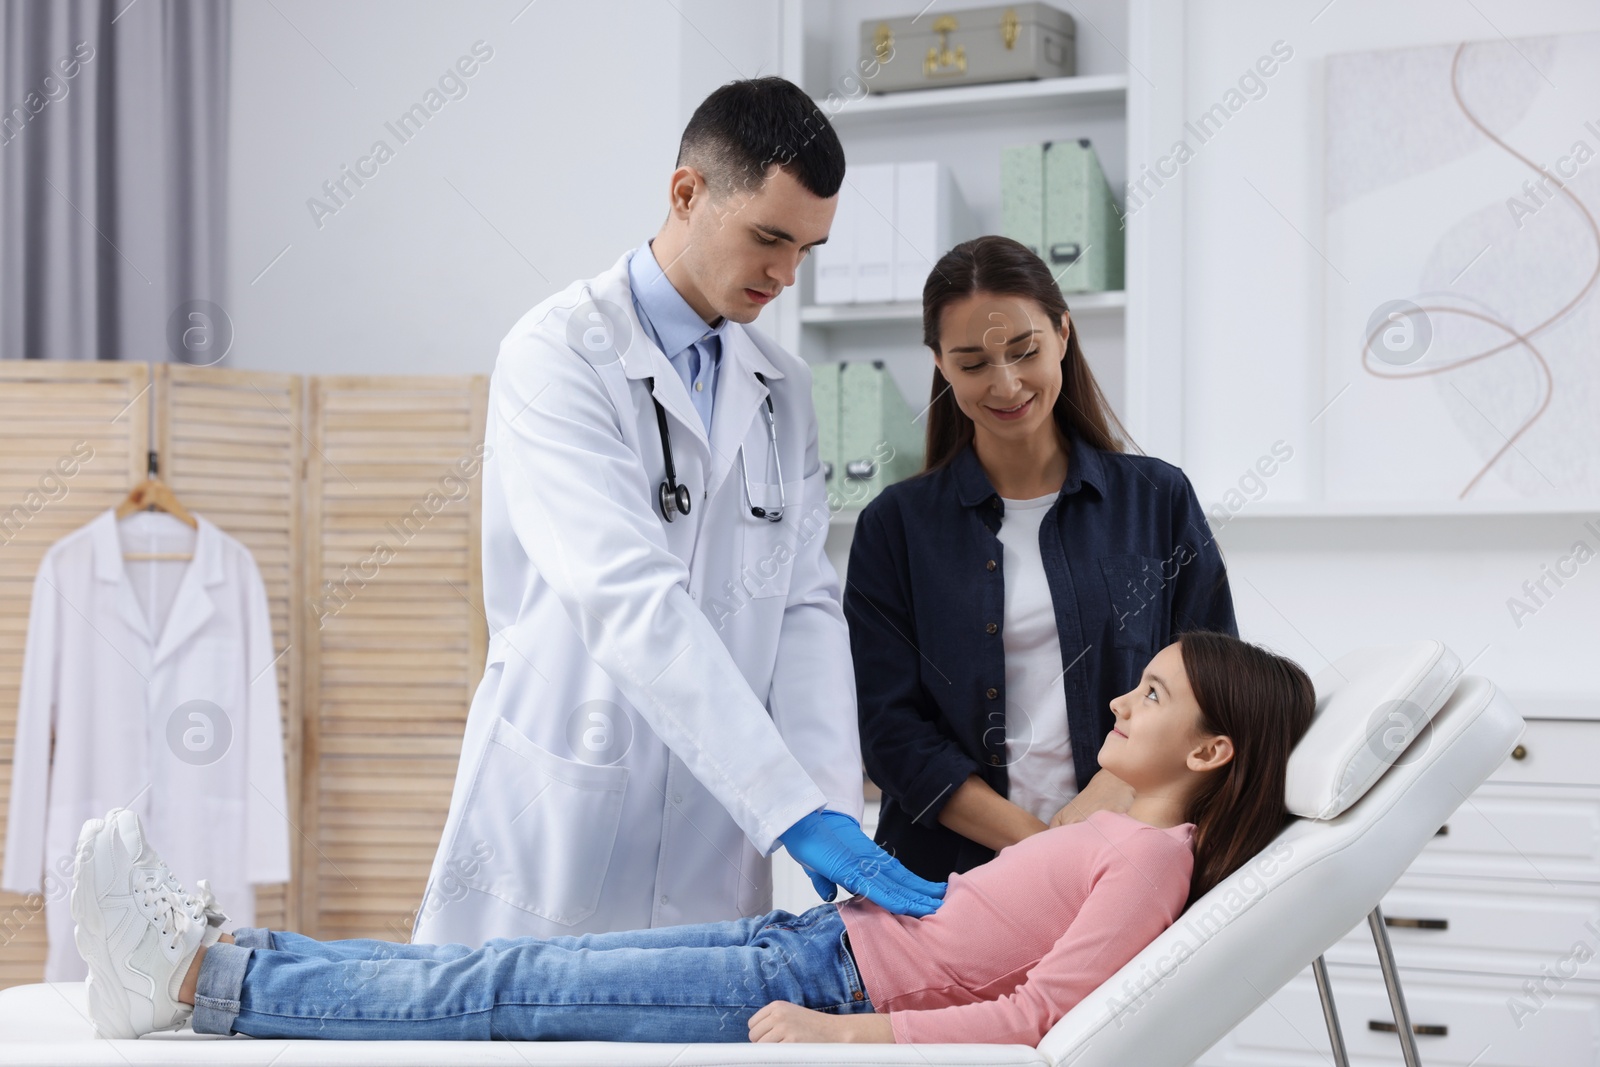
x: 699, y: 387
x: 991, y: 628
x: 663, y: 898
x: 994, y: 761
x: 995, y: 503
x: 991, y: 692
x: 990, y: 565
x: 677, y: 798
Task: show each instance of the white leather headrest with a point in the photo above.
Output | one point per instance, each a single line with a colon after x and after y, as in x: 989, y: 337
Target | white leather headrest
x: 1371, y: 704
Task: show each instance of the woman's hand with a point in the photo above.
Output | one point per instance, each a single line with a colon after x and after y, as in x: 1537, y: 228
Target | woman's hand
x: 978, y: 813
x: 1105, y: 792
x: 783, y: 1021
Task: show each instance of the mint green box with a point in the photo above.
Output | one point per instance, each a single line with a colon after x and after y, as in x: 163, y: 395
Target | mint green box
x: 1022, y: 195
x: 879, y: 440
x: 1083, y: 235
x: 825, y: 399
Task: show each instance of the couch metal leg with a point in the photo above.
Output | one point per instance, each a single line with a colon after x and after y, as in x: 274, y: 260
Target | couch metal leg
x: 1330, y: 1013
x: 1391, y: 979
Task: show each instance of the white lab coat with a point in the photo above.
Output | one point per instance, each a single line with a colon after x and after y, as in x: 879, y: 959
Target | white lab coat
x: 660, y: 700
x: 107, y: 682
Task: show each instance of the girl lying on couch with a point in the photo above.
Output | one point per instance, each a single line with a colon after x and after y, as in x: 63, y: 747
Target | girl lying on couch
x: 1203, y: 741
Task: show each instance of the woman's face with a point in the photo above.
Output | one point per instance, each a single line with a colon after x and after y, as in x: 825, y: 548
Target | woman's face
x: 1157, y: 745
x: 1002, y: 359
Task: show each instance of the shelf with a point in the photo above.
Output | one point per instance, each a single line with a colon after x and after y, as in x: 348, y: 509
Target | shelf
x: 911, y: 311
x: 1445, y: 510
x: 1044, y: 94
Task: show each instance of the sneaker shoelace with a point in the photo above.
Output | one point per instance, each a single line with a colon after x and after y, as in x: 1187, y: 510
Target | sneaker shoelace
x: 162, y: 898
x: 201, y: 905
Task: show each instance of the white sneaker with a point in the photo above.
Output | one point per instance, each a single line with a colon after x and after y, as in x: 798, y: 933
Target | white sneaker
x: 136, y: 927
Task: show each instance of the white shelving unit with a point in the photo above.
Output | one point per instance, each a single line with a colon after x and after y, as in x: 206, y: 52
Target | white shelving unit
x: 965, y: 127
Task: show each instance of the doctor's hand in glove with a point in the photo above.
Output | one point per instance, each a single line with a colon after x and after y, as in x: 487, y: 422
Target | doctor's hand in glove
x: 833, y: 850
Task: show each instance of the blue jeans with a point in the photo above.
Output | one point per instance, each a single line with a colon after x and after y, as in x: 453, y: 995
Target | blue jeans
x: 699, y: 982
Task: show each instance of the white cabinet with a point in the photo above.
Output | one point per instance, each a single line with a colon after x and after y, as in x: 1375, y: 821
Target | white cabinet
x: 1461, y: 1019
x: 1495, y: 930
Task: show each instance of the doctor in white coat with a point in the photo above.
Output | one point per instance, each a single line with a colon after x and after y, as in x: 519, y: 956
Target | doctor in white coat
x: 668, y: 695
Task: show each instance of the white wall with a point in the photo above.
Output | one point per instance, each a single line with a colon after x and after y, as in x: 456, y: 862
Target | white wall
x: 553, y: 163
x: 1253, y: 355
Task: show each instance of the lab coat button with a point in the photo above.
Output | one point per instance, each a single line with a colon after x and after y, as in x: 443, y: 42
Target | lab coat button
x: 991, y: 692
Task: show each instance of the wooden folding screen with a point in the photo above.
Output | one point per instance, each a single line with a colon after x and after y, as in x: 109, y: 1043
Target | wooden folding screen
x: 380, y: 651
x: 51, y: 417
x: 396, y: 639
x: 232, y: 446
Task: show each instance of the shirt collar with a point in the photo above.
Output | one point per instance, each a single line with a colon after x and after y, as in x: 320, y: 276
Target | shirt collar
x: 1084, y: 467
x: 663, y: 310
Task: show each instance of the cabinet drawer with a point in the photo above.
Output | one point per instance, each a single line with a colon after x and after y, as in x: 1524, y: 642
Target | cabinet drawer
x: 1483, y: 925
x: 1482, y: 1021
x: 1555, y: 752
x: 1528, y: 832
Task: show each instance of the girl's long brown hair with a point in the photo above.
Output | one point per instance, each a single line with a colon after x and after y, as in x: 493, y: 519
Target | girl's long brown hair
x: 1263, y: 702
x: 1003, y: 267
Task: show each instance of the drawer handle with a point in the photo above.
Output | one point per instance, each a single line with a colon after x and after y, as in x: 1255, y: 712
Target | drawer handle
x: 1416, y: 924
x: 1420, y: 1029
x: 1520, y: 752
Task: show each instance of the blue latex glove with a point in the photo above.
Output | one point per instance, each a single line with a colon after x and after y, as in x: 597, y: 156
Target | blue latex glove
x: 833, y: 850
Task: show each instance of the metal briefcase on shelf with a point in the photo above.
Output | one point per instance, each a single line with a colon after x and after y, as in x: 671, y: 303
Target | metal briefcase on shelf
x: 969, y: 47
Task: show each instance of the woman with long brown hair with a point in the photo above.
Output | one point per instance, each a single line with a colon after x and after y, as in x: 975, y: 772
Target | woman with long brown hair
x: 1203, y: 742
x: 998, y: 600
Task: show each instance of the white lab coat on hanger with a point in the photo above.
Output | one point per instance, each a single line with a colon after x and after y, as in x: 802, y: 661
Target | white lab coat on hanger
x: 660, y: 700
x: 115, y: 649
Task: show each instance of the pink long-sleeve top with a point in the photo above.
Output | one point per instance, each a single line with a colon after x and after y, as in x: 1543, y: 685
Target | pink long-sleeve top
x: 1022, y: 939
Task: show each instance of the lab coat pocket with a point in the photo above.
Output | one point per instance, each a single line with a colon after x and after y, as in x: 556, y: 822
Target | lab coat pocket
x: 767, y: 565
x: 537, y: 830
x: 1137, y: 592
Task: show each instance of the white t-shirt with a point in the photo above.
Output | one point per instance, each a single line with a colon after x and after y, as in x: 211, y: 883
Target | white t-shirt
x: 1038, y: 748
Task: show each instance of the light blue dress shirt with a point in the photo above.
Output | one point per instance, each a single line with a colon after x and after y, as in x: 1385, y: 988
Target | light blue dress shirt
x: 693, y: 348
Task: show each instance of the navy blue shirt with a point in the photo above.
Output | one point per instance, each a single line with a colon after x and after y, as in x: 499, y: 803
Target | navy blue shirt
x: 1131, y: 563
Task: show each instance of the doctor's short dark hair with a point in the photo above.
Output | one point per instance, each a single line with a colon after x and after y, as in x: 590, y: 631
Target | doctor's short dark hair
x: 743, y: 128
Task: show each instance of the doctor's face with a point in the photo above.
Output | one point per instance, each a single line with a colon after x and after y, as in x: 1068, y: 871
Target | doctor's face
x: 745, y: 249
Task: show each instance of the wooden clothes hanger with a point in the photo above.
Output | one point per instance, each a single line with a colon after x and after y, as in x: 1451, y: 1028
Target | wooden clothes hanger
x: 153, y: 494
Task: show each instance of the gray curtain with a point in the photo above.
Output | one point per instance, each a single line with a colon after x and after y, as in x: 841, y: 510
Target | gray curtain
x: 113, y: 152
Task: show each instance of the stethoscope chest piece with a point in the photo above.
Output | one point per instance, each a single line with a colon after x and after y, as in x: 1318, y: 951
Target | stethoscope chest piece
x: 674, y: 497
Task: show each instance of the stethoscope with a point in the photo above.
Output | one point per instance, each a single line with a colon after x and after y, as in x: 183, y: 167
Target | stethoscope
x: 674, y: 496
